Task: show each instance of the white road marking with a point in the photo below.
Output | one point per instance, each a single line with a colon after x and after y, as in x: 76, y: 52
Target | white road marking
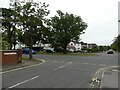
x: 63, y: 66
x: 22, y: 82
x: 54, y: 61
x: 102, y: 65
x: 43, y: 61
x: 115, y: 70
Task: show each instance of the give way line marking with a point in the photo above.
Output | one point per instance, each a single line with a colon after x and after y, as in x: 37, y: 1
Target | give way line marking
x: 63, y: 66
x: 22, y: 82
x: 43, y: 61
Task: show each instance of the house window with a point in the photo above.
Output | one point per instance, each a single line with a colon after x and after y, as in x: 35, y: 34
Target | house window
x: 71, y: 44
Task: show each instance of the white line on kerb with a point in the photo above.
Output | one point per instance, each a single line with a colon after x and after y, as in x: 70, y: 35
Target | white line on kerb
x: 102, y: 65
x: 85, y: 63
x: 63, y: 66
x: 22, y: 82
x: 43, y: 61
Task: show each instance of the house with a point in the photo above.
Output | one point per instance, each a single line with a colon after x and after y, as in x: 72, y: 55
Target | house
x: 74, y: 46
x: 92, y: 45
x: 80, y: 46
x: 84, y: 45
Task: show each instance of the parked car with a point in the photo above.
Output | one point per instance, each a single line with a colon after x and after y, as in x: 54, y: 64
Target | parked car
x: 26, y: 51
x: 49, y: 51
x: 110, y: 51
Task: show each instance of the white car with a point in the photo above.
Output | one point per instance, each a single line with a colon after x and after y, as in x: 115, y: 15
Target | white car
x: 110, y: 51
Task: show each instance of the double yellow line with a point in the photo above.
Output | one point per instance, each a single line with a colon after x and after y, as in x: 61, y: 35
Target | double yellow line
x: 95, y: 77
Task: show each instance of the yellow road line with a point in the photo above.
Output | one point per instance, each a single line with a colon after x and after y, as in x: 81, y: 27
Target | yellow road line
x: 100, y: 70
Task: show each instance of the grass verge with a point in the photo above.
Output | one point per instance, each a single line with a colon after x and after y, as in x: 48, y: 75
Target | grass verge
x: 26, y: 58
x: 72, y: 54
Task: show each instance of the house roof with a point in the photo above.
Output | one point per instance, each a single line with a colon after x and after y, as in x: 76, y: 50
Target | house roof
x: 93, y: 44
x: 82, y: 43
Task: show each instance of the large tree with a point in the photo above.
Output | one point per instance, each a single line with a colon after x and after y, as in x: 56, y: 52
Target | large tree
x: 10, y: 17
x: 64, y: 28
x: 9, y: 26
x: 31, y: 23
x: 116, y: 44
x: 4, y: 45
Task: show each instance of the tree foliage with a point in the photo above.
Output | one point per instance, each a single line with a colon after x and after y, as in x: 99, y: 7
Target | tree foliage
x: 24, y: 22
x: 64, y: 28
x: 31, y: 23
x: 7, y: 23
x: 116, y: 44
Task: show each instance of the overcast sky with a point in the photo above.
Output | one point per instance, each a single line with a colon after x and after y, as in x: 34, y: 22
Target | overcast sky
x: 100, y: 15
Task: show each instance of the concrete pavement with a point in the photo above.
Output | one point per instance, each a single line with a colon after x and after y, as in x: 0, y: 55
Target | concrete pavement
x: 110, y: 78
x: 106, y: 77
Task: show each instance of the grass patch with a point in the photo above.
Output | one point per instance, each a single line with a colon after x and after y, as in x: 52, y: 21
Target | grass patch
x: 26, y: 58
x: 82, y: 54
x: 72, y: 54
x: 41, y: 52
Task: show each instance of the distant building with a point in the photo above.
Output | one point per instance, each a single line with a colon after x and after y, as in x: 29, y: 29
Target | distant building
x: 84, y: 45
x: 79, y: 46
x: 92, y: 45
x: 74, y: 46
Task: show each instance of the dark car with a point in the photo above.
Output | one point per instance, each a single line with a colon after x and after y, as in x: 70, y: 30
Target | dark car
x: 110, y: 51
x: 26, y: 51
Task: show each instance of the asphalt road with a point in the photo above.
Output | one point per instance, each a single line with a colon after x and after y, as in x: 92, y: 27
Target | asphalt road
x: 59, y: 72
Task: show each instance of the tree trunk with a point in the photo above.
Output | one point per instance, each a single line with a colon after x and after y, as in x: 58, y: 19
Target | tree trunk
x: 64, y: 52
x: 64, y: 49
x: 14, y: 43
x: 10, y: 42
x: 10, y: 46
x: 30, y: 49
x: 9, y: 37
x: 30, y: 53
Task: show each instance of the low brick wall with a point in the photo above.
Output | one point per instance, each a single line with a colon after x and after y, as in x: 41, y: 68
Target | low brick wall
x: 11, y: 56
